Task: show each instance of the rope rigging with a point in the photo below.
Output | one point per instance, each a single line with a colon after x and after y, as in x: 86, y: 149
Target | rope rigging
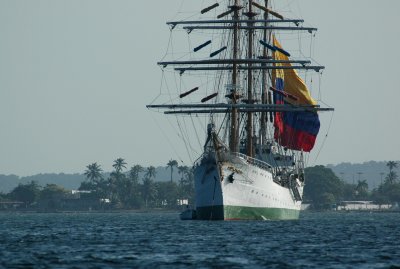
x: 205, y: 85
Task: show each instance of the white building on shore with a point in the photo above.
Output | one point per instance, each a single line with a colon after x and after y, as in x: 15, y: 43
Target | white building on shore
x: 362, y: 205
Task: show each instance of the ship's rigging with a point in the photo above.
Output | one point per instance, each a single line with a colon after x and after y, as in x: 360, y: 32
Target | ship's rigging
x: 251, y: 26
x: 261, y: 116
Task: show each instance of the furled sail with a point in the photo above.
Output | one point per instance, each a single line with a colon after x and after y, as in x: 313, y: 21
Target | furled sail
x: 294, y: 130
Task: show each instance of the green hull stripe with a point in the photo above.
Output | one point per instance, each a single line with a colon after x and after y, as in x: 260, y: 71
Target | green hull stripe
x: 245, y: 213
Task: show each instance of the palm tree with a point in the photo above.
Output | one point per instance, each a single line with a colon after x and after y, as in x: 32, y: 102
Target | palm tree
x: 362, y: 186
x: 391, y: 165
x: 134, y: 173
x: 182, y: 171
x: 93, y: 172
x: 131, y: 187
x: 149, y: 190
x: 150, y: 172
x: 116, y: 182
x: 392, y: 175
x: 117, y: 176
x: 171, y: 164
x: 119, y: 164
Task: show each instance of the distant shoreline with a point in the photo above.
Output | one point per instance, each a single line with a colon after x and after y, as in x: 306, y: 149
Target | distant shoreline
x: 141, y: 211
x: 165, y: 211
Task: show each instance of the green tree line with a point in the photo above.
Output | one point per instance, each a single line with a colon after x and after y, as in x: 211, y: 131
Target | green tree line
x: 121, y: 189
x: 125, y: 188
x: 324, y: 189
x: 33, y: 195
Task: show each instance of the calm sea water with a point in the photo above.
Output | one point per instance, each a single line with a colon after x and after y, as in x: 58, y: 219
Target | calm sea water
x: 149, y: 240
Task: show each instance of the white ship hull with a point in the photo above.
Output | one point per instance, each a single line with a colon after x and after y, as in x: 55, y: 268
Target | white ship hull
x: 239, y: 188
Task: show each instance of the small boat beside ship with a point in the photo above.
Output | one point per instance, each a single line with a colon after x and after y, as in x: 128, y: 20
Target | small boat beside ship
x: 188, y: 214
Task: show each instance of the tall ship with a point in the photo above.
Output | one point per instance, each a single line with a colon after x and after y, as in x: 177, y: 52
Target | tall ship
x: 249, y: 96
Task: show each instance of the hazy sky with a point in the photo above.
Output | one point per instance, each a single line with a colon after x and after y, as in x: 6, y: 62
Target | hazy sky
x: 75, y: 77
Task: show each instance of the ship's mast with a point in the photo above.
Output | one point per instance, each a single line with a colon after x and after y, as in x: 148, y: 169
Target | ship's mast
x: 249, y: 125
x: 236, y: 64
x: 263, y: 123
x: 234, y: 132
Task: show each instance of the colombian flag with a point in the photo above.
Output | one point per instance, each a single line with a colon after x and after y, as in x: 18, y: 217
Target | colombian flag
x: 294, y: 130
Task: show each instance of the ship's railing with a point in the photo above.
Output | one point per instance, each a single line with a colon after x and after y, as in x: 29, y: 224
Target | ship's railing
x: 258, y: 163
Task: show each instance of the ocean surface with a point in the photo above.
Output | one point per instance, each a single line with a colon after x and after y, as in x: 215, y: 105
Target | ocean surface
x: 161, y: 240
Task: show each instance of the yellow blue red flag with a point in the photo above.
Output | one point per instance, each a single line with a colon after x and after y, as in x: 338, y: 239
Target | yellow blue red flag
x: 294, y: 130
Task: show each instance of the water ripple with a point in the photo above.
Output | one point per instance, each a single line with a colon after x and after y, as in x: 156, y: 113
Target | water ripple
x: 132, y: 240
